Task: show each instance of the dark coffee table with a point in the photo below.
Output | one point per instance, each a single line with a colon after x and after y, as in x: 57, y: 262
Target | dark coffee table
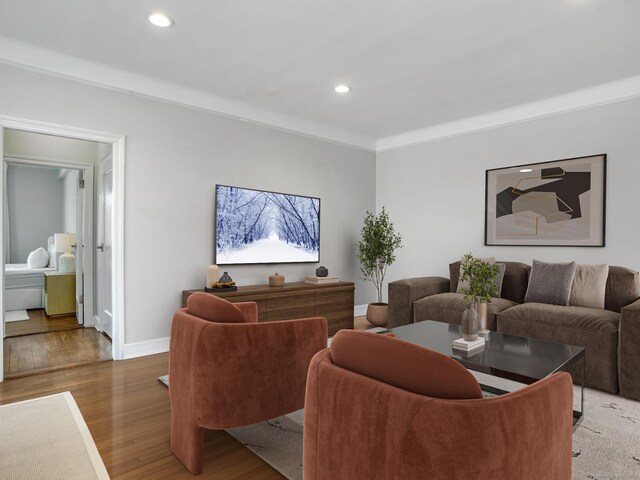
x: 521, y: 359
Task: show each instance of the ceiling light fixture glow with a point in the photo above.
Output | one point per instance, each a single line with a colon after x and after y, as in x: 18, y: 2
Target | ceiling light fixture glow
x: 160, y: 19
x: 526, y: 170
x: 342, y: 89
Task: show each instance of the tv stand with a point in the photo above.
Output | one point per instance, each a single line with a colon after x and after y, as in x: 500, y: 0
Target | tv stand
x: 334, y: 301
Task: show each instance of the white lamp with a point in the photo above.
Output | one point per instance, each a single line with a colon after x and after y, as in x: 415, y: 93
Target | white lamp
x: 65, y: 260
x: 64, y: 242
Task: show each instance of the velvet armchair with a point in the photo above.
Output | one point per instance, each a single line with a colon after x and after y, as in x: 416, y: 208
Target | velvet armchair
x: 381, y: 408
x: 227, y: 370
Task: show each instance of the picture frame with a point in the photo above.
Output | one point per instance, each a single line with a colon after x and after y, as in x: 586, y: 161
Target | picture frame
x: 260, y: 227
x: 560, y: 203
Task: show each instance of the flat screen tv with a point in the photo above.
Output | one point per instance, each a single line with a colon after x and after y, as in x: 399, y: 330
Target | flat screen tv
x: 255, y: 226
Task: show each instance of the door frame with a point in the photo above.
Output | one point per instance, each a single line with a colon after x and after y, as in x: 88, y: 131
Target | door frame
x: 88, y: 222
x: 117, y: 142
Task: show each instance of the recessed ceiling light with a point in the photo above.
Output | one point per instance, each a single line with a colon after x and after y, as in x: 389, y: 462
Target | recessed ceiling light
x: 159, y: 19
x: 342, y: 89
x: 526, y: 170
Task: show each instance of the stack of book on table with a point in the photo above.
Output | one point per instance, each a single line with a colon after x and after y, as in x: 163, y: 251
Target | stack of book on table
x: 318, y: 280
x: 468, y: 345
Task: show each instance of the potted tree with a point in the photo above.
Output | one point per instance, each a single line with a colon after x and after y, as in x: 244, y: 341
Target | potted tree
x: 376, y: 251
x: 481, y: 278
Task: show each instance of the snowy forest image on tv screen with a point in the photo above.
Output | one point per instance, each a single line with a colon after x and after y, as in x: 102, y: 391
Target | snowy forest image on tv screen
x: 254, y: 226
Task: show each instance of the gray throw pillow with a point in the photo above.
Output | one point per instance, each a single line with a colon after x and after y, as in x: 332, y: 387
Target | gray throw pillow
x: 550, y: 283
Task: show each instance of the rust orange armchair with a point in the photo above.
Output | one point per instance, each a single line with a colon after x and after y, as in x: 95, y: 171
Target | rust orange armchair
x: 227, y: 370
x: 364, y: 419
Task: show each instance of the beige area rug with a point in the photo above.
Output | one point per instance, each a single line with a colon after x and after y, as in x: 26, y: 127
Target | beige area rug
x: 47, y: 439
x: 16, y: 316
x: 278, y: 442
x: 606, y: 444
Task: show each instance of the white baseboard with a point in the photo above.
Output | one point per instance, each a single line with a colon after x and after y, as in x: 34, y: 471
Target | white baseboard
x: 360, y: 310
x: 148, y: 347
x: 90, y: 322
x: 97, y: 323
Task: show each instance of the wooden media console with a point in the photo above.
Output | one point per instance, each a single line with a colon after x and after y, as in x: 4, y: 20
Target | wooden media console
x: 334, y: 301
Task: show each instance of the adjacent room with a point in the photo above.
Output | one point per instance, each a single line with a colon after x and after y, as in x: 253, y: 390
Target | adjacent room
x: 48, y: 212
x: 319, y: 240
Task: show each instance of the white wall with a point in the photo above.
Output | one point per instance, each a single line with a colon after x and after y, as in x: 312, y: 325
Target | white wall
x: 35, y: 199
x: 174, y: 158
x: 434, y: 192
x: 36, y: 146
x: 39, y: 146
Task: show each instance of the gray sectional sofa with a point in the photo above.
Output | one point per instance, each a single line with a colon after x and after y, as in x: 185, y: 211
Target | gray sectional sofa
x: 611, y: 336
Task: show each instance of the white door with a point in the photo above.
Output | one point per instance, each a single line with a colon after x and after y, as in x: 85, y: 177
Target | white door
x: 80, y: 250
x: 104, y: 246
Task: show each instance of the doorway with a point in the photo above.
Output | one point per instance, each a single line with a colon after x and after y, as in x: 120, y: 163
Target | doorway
x: 49, y: 264
x: 73, y: 331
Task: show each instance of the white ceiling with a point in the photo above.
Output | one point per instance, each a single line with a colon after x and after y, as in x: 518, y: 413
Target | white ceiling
x: 413, y: 64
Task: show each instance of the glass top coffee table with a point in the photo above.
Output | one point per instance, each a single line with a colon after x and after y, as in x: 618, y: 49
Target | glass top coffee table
x: 520, y: 359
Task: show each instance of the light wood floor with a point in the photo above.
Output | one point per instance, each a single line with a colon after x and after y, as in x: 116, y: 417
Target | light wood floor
x: 127, y: 411
x: 71, y: 346
x: 40, y: 322
x: 31, y: 354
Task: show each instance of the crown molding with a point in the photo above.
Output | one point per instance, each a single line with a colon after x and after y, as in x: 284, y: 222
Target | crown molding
x: 29, y: 57
x: 612, y: 92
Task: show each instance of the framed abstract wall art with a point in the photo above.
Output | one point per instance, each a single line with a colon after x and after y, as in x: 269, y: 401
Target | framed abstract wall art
x: 558, y: 203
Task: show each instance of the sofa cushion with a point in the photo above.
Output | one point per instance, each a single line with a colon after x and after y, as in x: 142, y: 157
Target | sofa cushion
x: 403, y: 365
x: 214, y: 309
x: 550, y: 282
x: 465, y: 284
x: 589, y: 284
x: 448, y: 308
x: 499, y: 279
x: 622, y: 289
x: 514, y: 284
x: 592, y: 328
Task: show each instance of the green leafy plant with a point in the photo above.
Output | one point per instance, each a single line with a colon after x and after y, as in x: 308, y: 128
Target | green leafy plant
x: 481, y: 277
x: 376, y: 248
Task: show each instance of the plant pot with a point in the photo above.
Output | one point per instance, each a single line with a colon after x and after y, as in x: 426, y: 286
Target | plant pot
x: 378, y: 314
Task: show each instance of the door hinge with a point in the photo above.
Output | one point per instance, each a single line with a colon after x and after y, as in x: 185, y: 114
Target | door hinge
x: 81, y: 183
x: 81, y: 300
